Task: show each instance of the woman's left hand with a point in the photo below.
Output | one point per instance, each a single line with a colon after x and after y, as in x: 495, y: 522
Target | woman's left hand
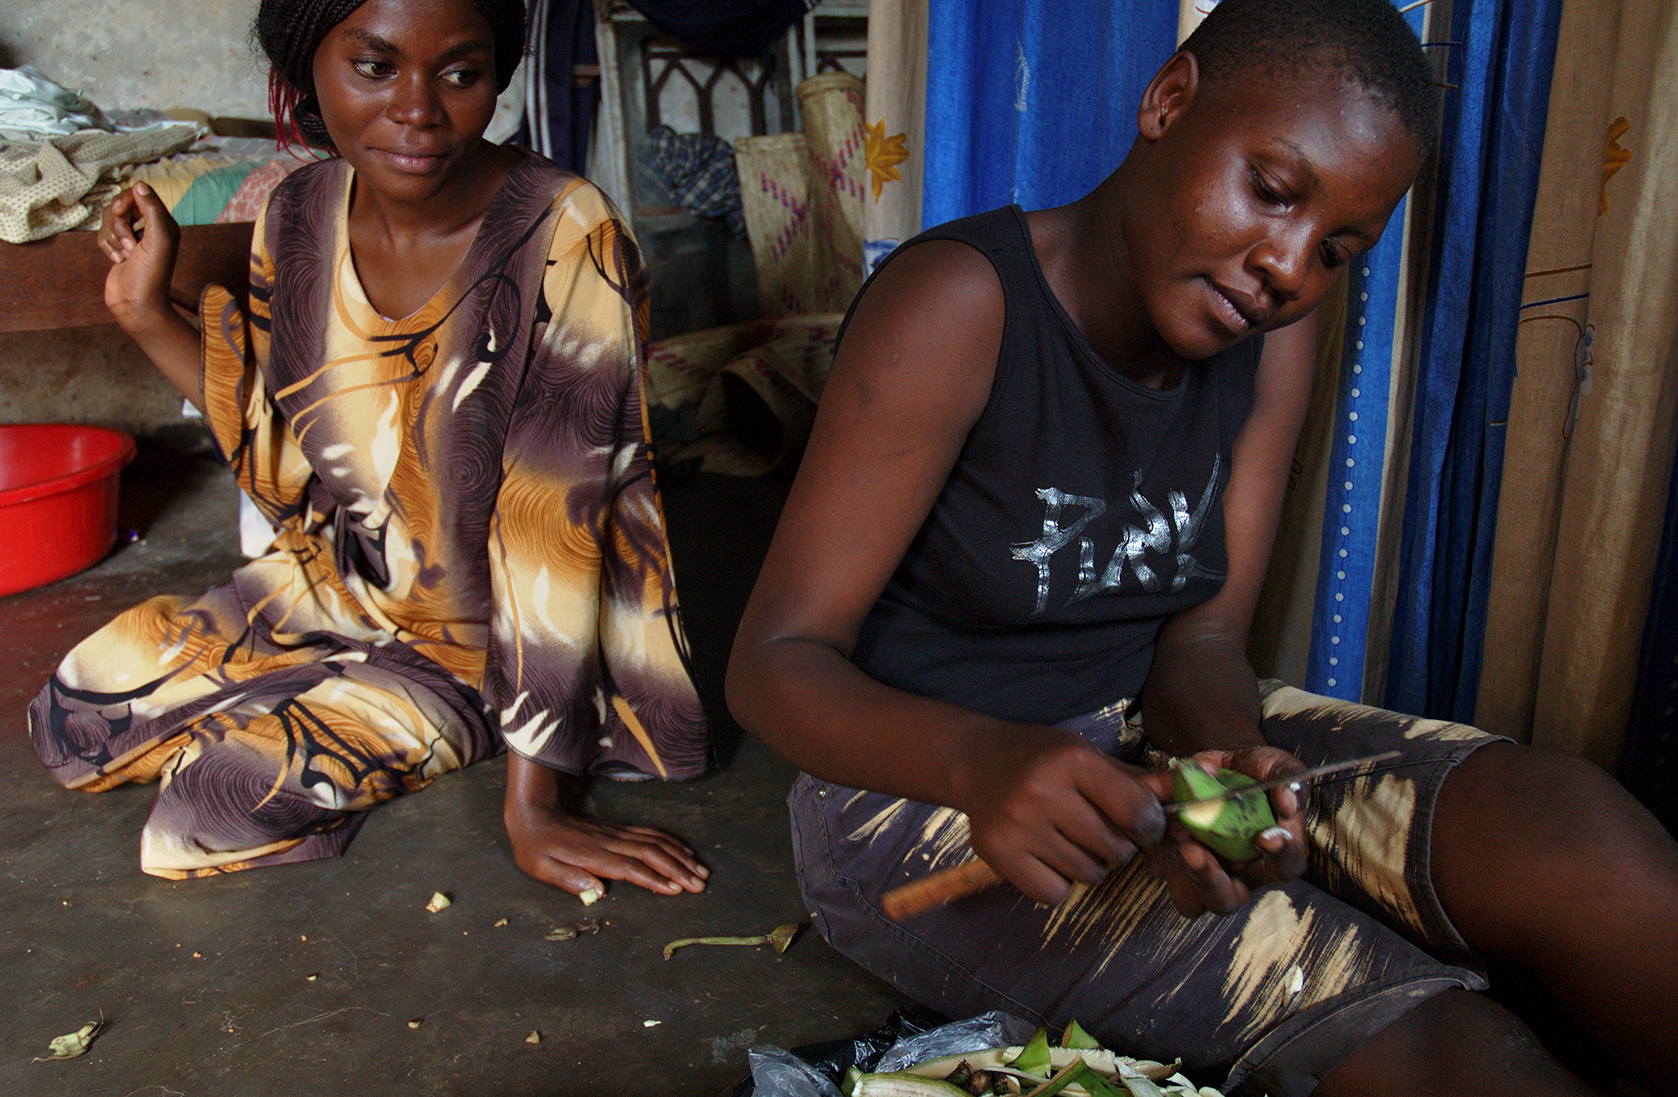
x: 579, y: 853
x: 556, y: 843
x: 1199, y: 880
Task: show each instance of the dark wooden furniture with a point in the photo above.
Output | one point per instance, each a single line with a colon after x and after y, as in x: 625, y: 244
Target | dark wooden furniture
x: 59, y: 282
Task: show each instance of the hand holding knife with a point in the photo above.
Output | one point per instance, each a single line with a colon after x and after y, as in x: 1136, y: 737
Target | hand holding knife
x: 971, y: 877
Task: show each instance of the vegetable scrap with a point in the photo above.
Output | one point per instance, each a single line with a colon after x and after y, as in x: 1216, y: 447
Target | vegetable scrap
x: 572, y: 932
x: 780, y: 937
x: 438, y: 902
x: 651, y: 1024
x: 1079, y: 1067
x: 72, y: 1044
x: 416, y: 1022
x: 589, y: 896
x: 499, y: 922
x: 534, y: 1037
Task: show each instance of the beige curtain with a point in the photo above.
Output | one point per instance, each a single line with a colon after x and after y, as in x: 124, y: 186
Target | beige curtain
x: 1590, y: 445
x: 895, y: 118
x: 1189, y: 15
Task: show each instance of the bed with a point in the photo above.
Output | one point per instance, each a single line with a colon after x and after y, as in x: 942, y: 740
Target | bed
x: 214, y: 188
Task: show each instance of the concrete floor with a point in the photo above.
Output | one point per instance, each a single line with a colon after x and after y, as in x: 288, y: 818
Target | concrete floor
x: 306, y: 978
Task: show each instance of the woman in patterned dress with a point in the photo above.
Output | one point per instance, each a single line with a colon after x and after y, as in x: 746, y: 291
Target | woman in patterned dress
x: 435, y: 395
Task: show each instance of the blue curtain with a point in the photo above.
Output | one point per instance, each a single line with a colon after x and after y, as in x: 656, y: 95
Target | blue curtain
x: 1501, y: 57
x: 1357, y: 469
x: 1033, y: 101
x: 1649, y: 767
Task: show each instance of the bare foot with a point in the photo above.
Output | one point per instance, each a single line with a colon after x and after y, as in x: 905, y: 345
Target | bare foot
x: 556, y: 844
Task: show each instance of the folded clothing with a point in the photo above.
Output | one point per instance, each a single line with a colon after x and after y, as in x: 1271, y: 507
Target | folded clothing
x: 63, y: 182
x: 33, y: 107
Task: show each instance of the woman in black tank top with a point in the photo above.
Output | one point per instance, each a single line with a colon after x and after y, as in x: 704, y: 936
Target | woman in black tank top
x: 1019, y: 564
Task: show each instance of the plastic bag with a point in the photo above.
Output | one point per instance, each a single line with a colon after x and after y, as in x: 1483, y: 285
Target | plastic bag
x: 779, y: 1073
x: 829, y: 1060
x: 988, y: 1030
x: 909, y: 1037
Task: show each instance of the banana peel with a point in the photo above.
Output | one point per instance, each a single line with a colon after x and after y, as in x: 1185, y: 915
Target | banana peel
x: 1006, y: 1058
x: 1033, y: 1058
x: 902, y: 1083
x: 1227, y: 825
x: 1076, y: 1037
x: 1039, y: 1070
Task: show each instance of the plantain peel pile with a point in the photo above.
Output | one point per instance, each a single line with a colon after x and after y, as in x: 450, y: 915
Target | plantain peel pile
x: 1079, y: 1067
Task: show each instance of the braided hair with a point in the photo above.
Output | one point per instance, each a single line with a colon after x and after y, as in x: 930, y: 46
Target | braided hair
x: 1368, y: 41
x: 290, y: 31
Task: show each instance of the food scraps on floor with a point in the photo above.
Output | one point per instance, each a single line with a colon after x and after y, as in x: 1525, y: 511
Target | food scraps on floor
x: 72, y: 1044
x: 780, y: 937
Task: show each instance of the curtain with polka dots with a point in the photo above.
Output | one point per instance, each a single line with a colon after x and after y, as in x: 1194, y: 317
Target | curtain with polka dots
x: 1378, y: 585
x: 1356, y: 473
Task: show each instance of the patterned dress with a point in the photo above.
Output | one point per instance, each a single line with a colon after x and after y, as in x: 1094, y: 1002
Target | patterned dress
x: 471, y: 551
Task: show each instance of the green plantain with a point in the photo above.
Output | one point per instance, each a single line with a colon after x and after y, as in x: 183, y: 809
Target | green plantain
x: 1226, y: 826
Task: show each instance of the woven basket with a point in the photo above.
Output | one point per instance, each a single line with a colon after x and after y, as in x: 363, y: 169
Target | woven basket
x: 740, y: 399
x: 775, y: 199
x: 831, y: 105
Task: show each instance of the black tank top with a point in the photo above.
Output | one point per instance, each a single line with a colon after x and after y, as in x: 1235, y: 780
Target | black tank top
x: 1083, y: 510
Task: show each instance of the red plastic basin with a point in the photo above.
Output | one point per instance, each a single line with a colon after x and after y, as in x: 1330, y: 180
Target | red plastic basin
x: 58, y: 500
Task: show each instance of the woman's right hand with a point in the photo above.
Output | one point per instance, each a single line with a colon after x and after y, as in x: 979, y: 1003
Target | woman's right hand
x: 1048, y: 809
x: 143, y: 262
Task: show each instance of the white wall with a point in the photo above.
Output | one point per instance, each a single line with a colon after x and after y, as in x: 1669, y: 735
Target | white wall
x: 142, y: 53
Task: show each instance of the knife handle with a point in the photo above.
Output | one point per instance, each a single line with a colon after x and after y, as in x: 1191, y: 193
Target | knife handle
x: 944, y: 886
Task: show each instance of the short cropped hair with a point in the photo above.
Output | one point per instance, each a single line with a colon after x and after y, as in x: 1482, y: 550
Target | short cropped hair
x: 1367, y: 39
x: 290, y: 31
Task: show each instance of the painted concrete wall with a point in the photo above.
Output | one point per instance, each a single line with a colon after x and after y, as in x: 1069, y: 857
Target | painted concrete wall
x: 83, y: 375
x: 142, y: 53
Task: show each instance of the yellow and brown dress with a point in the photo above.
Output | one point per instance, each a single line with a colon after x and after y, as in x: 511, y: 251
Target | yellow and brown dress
x: 471, y: 551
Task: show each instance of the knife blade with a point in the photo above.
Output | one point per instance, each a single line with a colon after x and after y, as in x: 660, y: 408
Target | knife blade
x: 1340, y: 771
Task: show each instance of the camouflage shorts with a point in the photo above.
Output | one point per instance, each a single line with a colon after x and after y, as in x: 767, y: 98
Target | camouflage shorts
x: 1268, y: 999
